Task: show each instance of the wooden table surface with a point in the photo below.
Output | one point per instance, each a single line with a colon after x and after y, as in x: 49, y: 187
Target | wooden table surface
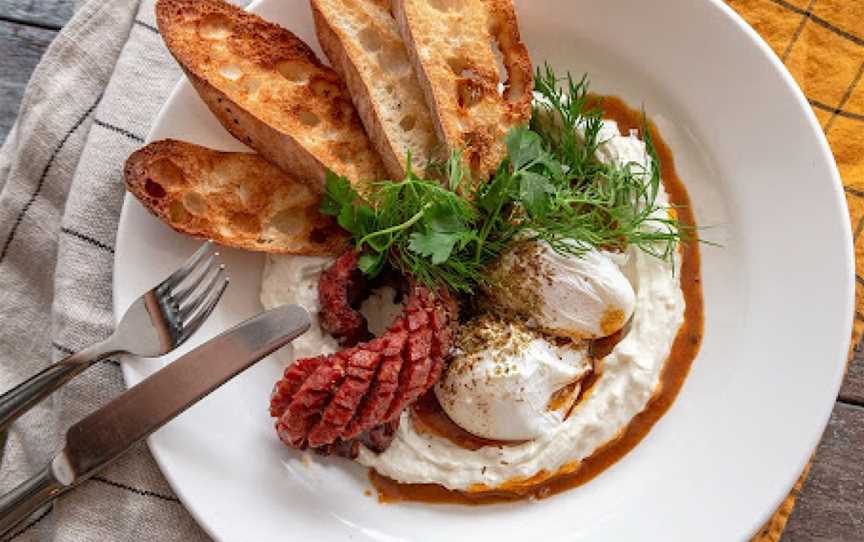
x: 831, y: 505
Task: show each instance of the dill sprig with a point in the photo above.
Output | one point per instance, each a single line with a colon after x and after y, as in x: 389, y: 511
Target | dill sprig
x: 601, y: 205
x: 551, y: 186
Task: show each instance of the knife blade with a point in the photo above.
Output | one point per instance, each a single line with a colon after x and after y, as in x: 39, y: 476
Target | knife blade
x: 107, y: 433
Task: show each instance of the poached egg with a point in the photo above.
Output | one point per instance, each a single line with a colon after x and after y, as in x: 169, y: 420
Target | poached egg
x: 507, y: 382
x: 580, y: 297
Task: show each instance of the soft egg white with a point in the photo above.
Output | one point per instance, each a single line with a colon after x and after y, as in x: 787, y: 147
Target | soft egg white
x: 515, y: 388
x: 582, y: 297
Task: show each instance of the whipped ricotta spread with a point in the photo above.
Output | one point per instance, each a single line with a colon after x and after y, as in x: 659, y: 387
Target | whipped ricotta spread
x: 628, y: 378
x: 294, y: 280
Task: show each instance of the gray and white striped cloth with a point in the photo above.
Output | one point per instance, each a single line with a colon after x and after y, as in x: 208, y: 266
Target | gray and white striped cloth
x: 88, y: 105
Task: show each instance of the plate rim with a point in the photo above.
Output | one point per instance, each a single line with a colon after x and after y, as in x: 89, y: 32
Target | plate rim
x: 806, y: 457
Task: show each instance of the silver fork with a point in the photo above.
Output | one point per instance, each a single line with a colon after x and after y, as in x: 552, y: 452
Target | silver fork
x: 157, y: 322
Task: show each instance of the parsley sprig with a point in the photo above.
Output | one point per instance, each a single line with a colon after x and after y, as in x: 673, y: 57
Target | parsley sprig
x: 418, y: 226
x: 551, y: 186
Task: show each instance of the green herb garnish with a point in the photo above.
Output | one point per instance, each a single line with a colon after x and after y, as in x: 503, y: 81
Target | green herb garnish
x: 603, y: 205
x: 417, y: 226
x: 551, y: 187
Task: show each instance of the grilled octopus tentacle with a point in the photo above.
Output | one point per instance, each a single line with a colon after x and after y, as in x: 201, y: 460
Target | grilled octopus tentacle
x: 332, y: 403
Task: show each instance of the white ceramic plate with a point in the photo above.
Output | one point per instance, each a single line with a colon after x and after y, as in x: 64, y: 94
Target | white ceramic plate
x: 778, y: 299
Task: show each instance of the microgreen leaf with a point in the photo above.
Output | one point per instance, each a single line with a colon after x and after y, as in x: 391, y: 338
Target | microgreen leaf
x: 534, y: 192
x: 436, y: 246
x: 371, y: 263
x: 523, y: 147
x: 456, y: 173
x: 441, y: 218
x: 338, y: 194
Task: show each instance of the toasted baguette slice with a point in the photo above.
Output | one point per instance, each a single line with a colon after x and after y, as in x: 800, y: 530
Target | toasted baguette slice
x: 453, y: 46
x: 236, y: 199
x: 269, y: 90
x: 362, y: 41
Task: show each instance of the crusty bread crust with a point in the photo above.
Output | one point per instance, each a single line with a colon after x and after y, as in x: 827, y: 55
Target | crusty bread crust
x: 453, y: 46
x: 269, y: 90
x: 236, y: 199
x: 362, y: 41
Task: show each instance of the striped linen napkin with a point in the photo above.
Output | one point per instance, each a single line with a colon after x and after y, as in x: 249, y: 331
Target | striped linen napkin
x: 89, y: 104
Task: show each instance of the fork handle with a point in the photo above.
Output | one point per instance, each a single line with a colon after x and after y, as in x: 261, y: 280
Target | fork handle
x: 25, y: 395
x: 30, y: 496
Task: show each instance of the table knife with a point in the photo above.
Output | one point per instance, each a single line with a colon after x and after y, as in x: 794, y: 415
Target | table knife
x: 107, y: 433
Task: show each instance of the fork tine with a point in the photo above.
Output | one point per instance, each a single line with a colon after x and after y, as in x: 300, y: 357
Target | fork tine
x: 180, y: 295
x: 212, y: 278
x: 177, y: 276
x: 188, y: 328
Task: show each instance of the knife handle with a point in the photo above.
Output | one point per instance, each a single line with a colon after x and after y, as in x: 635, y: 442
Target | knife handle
x: 30, y: 496
x: 25, y: 395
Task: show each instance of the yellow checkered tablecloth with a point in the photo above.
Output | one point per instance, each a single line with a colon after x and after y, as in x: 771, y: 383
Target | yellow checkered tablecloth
x: 822, y: 44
